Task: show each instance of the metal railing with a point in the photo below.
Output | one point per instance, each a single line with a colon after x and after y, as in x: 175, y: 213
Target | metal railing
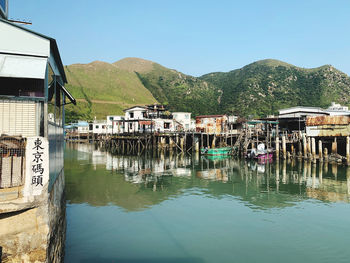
x: 12, y: 161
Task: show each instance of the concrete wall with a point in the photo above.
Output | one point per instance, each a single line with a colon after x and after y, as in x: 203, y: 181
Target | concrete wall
x: 36, y: 234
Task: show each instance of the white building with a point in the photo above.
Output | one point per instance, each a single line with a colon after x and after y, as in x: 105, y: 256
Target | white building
x: 337, y: 109
x: 183, y: 119
x: 32, y: 80
x: 115, y: 124
x: 99, y: 127
x: 301, y: 112
x: 164, y: 125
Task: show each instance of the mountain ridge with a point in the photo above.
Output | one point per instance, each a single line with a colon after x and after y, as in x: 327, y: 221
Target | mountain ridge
x: 257, y: 89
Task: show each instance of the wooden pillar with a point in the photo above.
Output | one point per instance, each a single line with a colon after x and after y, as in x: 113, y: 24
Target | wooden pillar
x: 348, y: 179
x: 308, y: 146
x: 313, y: 148
x: 325, y: 154
x: 320, y: 153
x: 197, y: 146
x: 284, y: 148
x: 213, y: 142
x: 277, y: 147
x: 348, y: 150
x: 334, y: 146
x: 182, y: 139
x: 201, y: 140
x: 277, y: 176
x: 305, y: 146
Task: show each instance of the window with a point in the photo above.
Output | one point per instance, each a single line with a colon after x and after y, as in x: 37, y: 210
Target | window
x: 130, y: 125
x: 131, y: 115
x: 111, y: 118
x: 96, y: 126
x: 22, y: 87
x: 166, y: 125
x: 144, y: 114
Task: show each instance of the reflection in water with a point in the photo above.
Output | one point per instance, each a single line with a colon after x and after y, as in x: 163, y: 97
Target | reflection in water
x: 260, y: 185
x: 180, y: 208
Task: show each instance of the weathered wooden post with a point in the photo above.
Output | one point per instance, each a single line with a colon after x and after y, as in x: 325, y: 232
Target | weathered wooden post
x: 313, y: 149
x: 347, y: 150
x: 308, y: 147
x: 196, y: 145
x: 284, y: 148
x: 182, y: 143
x: 325, y: 153
x: 277, y: 147
x: 314, y: 175
x: 348, y: 179
x: 334, y: 146
x: 284, y: 171
x: 320, y: 153
x: 305, y: 146
x: 213, y: 142
x: 335, y: 170
x: 277, y: 176
x: 320, y: 172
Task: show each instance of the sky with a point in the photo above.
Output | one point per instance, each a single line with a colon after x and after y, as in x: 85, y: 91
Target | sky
x: 195, y: 37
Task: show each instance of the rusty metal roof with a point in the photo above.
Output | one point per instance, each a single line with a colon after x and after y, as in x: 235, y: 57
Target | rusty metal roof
x: 327, y: 120
x: 210, y: 116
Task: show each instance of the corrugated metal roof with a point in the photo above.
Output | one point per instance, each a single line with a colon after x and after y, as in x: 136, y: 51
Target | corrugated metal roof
x: 327, y: 120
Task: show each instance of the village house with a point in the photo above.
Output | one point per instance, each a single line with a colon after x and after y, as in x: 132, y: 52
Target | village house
x: 115, y: 124
x: 211, y: 123
x: 294, y: 119
x: 183, y: 121
x: 32, y: 80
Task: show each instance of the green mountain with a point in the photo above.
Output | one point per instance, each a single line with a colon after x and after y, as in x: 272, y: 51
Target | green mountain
x: 258, y: 89
x: 266, y: 86
x: 179, y: 91
x: 102, y: 89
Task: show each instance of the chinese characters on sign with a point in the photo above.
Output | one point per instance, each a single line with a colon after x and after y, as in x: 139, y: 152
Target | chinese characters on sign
x: 37, y: 168
x: 37, y: 165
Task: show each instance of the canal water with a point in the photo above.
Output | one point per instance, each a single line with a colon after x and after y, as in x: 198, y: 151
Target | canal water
x: 183, y: 208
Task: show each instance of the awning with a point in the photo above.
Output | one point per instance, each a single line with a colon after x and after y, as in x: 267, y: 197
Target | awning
x: 12, y: 66
x: 66, y: 93
x: 145, y: 122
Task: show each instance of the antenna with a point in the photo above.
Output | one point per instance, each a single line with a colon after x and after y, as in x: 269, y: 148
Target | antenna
x: 24, y: 22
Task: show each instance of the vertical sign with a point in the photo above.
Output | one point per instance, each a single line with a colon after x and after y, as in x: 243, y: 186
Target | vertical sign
x: 37, y: 166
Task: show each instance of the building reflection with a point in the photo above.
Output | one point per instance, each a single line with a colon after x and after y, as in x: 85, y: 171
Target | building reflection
x: 138, y: 182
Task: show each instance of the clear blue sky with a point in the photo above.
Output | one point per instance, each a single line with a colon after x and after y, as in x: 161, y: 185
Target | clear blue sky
x: 195, y: 37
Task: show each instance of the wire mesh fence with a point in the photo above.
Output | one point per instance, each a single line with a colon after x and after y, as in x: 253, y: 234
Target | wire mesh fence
x: 12, y: 161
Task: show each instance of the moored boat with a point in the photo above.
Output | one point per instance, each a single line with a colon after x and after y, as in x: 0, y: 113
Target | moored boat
x: 216, y: 151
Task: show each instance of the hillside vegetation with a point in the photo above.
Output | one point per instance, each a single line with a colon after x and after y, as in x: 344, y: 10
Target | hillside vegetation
x: 101, y: 89
x: 258, y: 89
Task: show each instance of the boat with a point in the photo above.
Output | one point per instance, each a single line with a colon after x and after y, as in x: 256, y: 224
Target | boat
x: 216, y: 151
x: 260, y: 154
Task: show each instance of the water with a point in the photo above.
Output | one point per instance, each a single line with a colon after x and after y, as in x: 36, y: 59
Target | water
x: 187, y: 209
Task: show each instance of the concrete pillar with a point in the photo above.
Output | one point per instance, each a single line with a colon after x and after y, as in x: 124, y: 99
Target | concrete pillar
x: 320, y: 172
